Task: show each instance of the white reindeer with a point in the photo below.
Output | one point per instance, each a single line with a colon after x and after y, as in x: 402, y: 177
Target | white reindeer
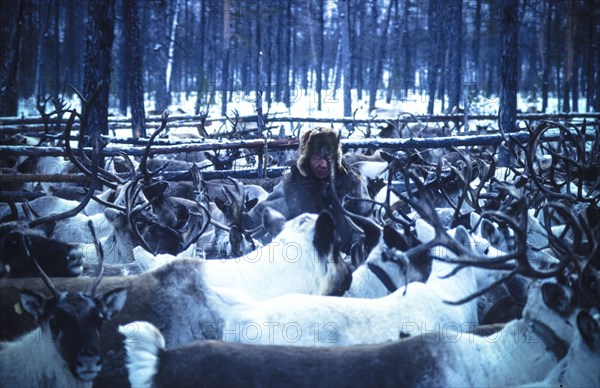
x: 329, y: 321
x: 523, y: 351
x: 580, y: 367
x: 302, y: 258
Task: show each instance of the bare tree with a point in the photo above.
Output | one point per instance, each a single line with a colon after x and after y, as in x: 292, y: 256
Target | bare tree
x: 135, y: 85
x: 569, y: 53
x: 454, y: 34
x: 320, y: 50
x: 377, y: 64
x: 12, y: 57
x: 509, y: 66
x: 97, y: 62
x: 346, y: 55
x: 226, y: 54
x: 434, y: 63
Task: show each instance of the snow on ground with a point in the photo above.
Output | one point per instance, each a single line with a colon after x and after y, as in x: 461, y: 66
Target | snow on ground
x: 304, y: 104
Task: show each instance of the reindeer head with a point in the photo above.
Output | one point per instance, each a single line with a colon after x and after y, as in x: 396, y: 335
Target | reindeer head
x: 57, y: 258
x: 71, y: 321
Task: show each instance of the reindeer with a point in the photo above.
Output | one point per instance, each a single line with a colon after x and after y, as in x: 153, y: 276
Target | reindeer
x: 55, y: 257
x: 303, y: 258
x: 64, y: 349
x: 522, y: 352
x: 387, y: 269
x: 171, y: 297
x: 579, y: 368
x: 350, y: 321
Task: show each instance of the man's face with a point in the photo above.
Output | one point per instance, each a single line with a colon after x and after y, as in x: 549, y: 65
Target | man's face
x: 319, y: 165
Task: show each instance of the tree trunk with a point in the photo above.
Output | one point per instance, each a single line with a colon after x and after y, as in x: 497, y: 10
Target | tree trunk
x: 226, y: 54
x: 569, y: 54
x: 40, y: 87
x: 121, y: 55
x: 279, y: 55
x: 375, y: 75
x: 433, y: 66
x: 159, y: 57
x: 346, y: 55
x: 56, y: 59
x: 544, y: 52
x: 201, y: 80
x: 269, y: 57
x: 477, y: 44
x: 395, y: 46
x: 288, y: 56
x: 509, y: 66
x: 454, y: 34
x: 135, y: 84
x: 171, y: 56
x: 575, y: 82
x: 320, y: 51
x: 10, y: 76
x: 96, y: 67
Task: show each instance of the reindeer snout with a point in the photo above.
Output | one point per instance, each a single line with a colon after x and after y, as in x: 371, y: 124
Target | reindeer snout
x: 75, y: 260
x: 88, y: 364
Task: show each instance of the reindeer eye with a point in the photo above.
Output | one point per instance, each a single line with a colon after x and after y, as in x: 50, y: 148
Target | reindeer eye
x: 54, y: 326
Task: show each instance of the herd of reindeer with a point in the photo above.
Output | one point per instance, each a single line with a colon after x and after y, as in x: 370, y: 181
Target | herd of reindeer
x: 472, y: 270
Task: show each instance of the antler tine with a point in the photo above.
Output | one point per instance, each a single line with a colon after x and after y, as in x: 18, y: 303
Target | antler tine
x: 143, y: 169
x: 100, y: 253
x: 76, y: 161
x: 206, y: 220
x: 484, y: 178
x: 427, y: 213
x: 350, y: 217
x: 45, y: 278
x: 478, y: 293
x: 406, y: 222
x: 131, y: 194
x: 93, y: 184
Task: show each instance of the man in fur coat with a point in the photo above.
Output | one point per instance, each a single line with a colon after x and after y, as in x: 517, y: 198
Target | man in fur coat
x: 307, y: 189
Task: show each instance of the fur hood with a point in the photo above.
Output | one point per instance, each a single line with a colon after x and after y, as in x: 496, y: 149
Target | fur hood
x: 318, y: 140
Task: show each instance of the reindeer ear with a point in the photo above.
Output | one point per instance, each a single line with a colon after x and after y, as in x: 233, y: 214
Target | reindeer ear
x: 112, y: 302
x: 209, y: 156
x: 588, y: 329
x: 385, y: 156
x: 220, y: 204
x: 115, y: 218
x: 372, y: 234
x: 235, y: 239
x: 489, y: 232
x: 33, y: 304
x: 357, y: 254
x: 556, y: 298
x: 250, y: 203
x: 474, y: 219
x: 48, y: 228
x: 394, y: 239
x: 324, y: 233
x: 425, y: 232
x: 462, y: 237
x: 273, y: 221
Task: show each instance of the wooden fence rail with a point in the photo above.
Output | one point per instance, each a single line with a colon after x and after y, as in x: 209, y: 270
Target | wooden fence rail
x: 16, y: 124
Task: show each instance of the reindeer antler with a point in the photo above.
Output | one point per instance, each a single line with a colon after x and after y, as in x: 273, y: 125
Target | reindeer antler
x: 45, y: 278
x: 100, y: 253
